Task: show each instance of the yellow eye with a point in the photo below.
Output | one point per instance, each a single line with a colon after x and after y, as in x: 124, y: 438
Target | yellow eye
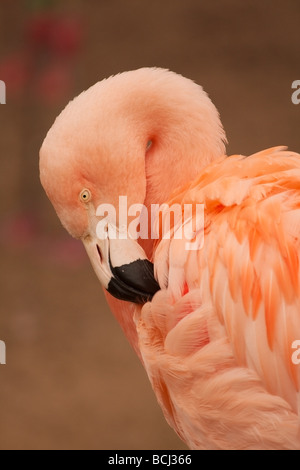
x: 85, y: 195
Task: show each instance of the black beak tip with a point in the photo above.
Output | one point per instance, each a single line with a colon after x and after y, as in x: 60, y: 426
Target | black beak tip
x: 134, y: 282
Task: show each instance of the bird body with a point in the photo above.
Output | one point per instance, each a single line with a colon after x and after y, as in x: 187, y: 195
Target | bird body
x: 216, y: 338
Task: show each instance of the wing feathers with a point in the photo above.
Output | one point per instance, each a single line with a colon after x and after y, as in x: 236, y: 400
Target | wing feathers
x: 249, y: 265
x: 217, y: 339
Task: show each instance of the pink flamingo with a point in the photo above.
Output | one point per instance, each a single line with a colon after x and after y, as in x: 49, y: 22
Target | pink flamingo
x: 215, y: 329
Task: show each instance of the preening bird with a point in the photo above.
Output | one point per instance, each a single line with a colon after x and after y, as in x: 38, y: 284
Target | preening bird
x: 214, y: 326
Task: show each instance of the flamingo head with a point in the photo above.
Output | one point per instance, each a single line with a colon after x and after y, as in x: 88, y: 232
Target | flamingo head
x: 138, y: 135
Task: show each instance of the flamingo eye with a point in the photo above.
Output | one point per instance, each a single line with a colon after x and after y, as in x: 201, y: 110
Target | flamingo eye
x: 85, y: 195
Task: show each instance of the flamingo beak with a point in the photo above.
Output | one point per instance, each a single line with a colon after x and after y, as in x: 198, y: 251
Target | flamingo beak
x: 122, y: 267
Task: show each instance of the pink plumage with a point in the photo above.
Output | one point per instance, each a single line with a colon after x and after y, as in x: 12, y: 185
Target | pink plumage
x: 216, y: 338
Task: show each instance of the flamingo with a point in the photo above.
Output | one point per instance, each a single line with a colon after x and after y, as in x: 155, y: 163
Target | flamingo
x: 214, y: 327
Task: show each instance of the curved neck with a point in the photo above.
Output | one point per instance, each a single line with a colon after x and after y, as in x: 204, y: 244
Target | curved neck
x: 185, y: 138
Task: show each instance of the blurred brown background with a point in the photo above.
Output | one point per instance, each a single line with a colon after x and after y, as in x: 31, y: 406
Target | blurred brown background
x: 71, y: 380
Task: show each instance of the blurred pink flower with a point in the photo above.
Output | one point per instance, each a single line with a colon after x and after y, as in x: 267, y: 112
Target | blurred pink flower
x: 38, y: 29
x: 20, y: 230
x: 65, y: 251
x: 16, y: 70
x: 59, y: 35
x: 54, y: 82
x: 65, y: 36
